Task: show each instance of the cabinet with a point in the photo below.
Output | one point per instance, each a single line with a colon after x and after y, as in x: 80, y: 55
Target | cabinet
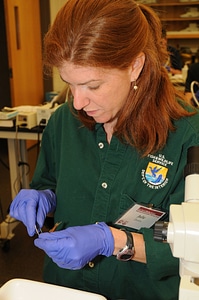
x: 181, y: 20
x: 23, y: 31
x: 5, y: 97
x: 24, y: 23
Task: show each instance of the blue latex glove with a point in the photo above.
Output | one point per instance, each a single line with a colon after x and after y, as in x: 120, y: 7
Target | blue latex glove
x: 74, y: 247
x: 32, y: 206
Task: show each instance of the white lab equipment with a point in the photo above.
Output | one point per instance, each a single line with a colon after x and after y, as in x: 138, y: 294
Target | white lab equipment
x: 23, y: 289
x: 195, y: 94
x: 182, y: 230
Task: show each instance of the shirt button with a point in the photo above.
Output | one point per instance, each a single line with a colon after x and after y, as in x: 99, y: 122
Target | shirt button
x: 91, y: 264
x: 104, y: 185
x: 101, y: 145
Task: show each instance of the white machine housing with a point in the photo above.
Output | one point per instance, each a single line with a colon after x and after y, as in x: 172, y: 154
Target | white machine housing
x: 182, y: 230
x: 44, y: 113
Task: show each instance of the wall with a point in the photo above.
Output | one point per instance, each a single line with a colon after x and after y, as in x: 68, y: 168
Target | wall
x: 58, y: 84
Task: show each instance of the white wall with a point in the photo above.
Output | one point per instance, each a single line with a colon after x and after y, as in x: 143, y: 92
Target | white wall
x: 55, y: 5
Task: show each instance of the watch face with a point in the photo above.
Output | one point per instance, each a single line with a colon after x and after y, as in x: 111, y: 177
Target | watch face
x: 125, y: 254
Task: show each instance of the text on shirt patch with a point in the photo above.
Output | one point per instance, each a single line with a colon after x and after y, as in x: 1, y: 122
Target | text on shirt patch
x: 155, y: 175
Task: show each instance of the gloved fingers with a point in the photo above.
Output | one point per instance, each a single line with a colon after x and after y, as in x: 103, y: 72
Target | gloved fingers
x: 53, y: 247
x: 31, y: 207
x: 16, y: 205
x: 70, y: 264
x: 46, y: 204
x: 74, y: 247
x: 23, y: 208
x: 25, y: 211
x: 46, y: 235
x: 41, y: 215
x: 48, y: 246
x: 58, y: 251
x: 30, y: 216
x: 18, y: 210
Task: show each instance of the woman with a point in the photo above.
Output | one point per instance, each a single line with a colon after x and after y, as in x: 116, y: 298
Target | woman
x: 121, y: 140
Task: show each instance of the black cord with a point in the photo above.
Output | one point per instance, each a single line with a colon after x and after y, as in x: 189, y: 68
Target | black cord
x: 41, y: 126
x: 22, y: 163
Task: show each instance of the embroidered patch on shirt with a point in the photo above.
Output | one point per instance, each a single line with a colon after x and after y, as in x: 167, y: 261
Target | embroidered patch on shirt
x: 155, y: 175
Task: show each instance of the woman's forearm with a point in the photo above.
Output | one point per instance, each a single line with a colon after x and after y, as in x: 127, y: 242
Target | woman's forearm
x: 139, y: 244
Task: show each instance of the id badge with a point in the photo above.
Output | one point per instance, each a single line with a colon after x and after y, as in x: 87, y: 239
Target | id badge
x: 139, y: 216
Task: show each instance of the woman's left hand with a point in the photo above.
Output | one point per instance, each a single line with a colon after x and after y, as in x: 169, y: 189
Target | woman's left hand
x: 74, y: 247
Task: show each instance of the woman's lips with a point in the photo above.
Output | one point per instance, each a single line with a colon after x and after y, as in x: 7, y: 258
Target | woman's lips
x: 91, y: 113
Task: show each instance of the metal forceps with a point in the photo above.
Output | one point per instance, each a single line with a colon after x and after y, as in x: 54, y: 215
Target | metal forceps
x: 38, y: 230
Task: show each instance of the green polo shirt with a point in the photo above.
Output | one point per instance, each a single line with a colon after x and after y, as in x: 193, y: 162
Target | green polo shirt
x: 96, y: 181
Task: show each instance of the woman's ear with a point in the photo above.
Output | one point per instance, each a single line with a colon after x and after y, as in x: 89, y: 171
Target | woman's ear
x: 137, y: 66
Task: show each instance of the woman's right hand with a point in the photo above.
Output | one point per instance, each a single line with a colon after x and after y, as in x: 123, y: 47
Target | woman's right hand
x: 32, y: 206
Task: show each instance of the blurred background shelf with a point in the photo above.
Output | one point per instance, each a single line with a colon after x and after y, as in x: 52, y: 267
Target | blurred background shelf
x: 181, y: 20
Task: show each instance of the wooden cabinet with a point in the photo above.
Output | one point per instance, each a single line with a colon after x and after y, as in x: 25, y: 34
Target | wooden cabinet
x: 24, y: 51
x: 5, y: 97
x: 181, y: 20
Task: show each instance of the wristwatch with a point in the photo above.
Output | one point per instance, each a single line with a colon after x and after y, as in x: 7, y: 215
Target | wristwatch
x: 128, y: 251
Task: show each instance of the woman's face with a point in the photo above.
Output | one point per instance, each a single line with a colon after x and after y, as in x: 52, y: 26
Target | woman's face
x: 99, y: 92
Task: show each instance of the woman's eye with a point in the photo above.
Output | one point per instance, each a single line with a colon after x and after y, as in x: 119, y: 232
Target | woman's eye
x: 94, y: 87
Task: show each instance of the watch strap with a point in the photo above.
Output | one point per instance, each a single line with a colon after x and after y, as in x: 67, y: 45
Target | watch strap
x: 129, y: 241
x: 128, y: 251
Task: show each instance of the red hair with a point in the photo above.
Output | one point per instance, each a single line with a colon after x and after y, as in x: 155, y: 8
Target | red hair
x: 111, y: 34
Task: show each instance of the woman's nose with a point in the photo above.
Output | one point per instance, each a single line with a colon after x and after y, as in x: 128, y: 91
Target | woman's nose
x: 80, y: 100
